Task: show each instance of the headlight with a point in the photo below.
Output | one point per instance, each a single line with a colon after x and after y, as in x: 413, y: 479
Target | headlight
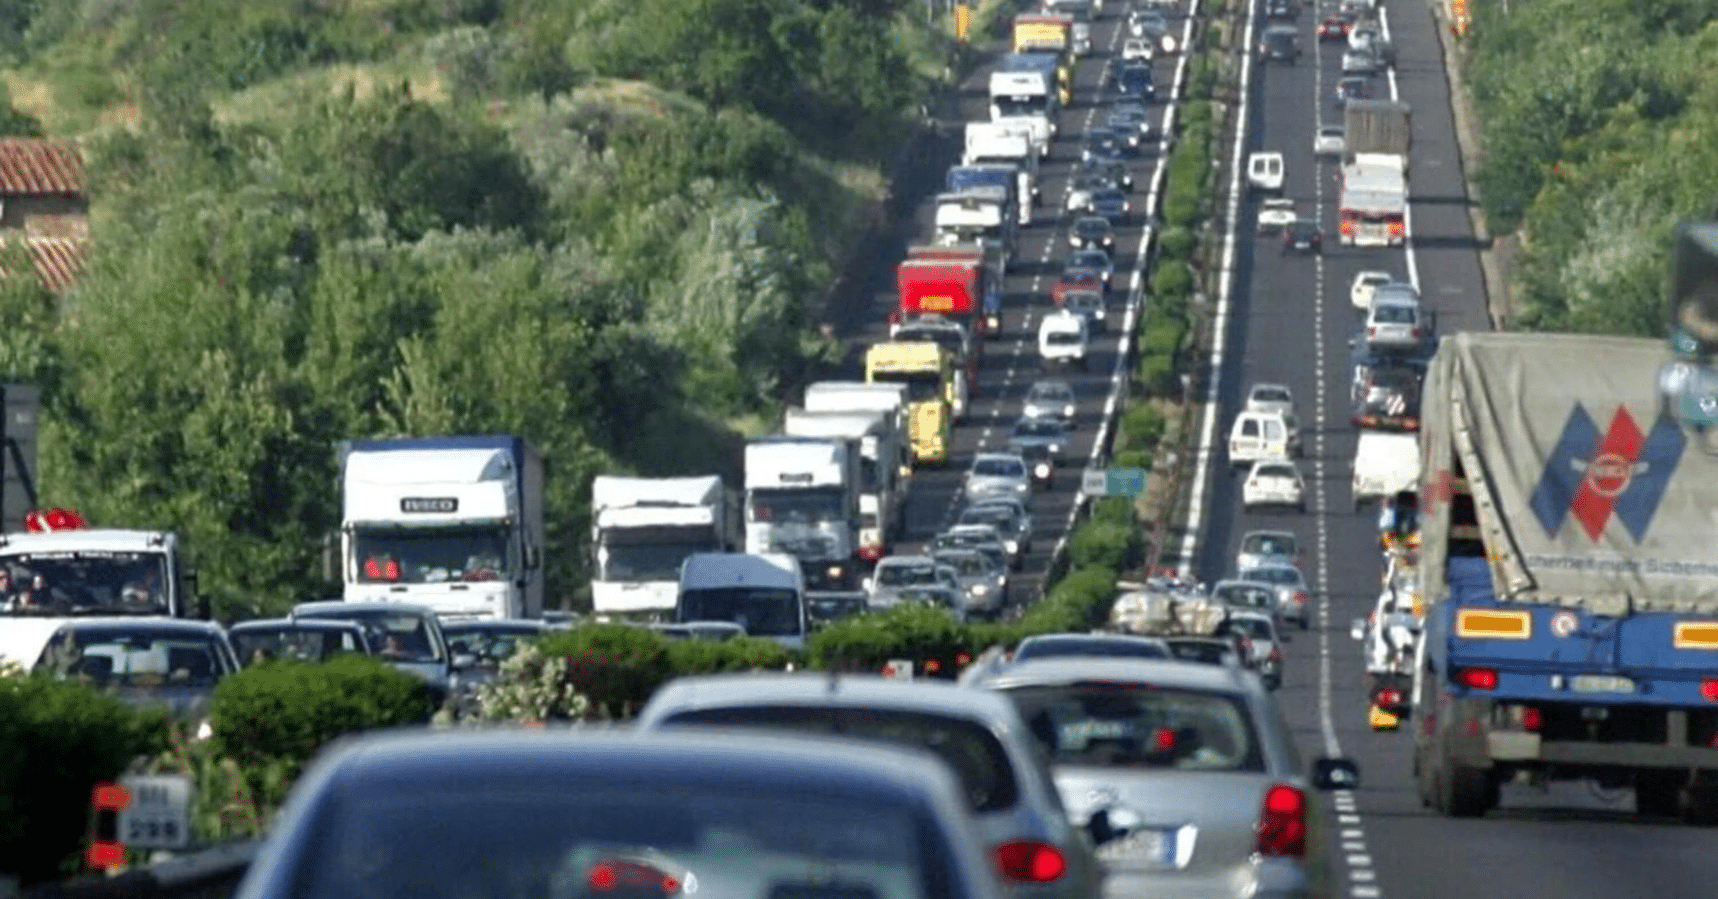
x: 976, y: 590
x: 834, y: 571
x: 1055, y: 449
x: 1012, y: 546
x: 1068, y: 410
x: 1042, y: 469
x: 205, y: 731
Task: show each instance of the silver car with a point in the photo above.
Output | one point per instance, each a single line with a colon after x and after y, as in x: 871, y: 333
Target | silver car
x: 1099, y: 645
x: 1049, y: 433
x: 1090, y: 304
x: 1331, y: 140
x: 1009, y: 517
x: 1267, y: 547
x: 1039, y: 853
x: 1253, y: 595
x: 1003, y: 475
x: 1264, y: 645
x: 1292, y: 592
x: 982, y: 538
x: 983, y: 583
x: 896, y: 573
x: 409, y: 637
x: 1186, y: 775
x: 1052, y: 399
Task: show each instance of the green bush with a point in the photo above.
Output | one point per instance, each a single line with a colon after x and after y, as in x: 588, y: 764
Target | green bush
x: 57, y: 741
x: 1181, y: 205
x: 865, y: 643
x: 1157, y: 374
x: 1164, y: 336
x: 742, y: 654
x: 282, y: 713
x: 1133, y: 458
x: 1171, y: 278
x: 1143, y: 425
x: 615, y: 666
x: 1175, y: 245
x: 1078, y: 602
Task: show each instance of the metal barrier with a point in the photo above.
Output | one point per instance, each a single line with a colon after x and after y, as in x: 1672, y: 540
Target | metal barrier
x: 213, y: 873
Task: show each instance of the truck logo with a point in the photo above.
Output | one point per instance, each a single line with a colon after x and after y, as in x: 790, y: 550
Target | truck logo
x: 937, y: 303
x: 1621, y: 471
x: 411, y: 505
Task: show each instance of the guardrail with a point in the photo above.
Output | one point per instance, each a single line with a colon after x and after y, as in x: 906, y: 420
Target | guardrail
x: 212, y: 873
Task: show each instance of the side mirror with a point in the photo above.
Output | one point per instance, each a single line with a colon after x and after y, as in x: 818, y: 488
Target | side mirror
x: 195, y: 604
x: 1357, y: 630
x: 464, y: 661
x: 1335, y: 774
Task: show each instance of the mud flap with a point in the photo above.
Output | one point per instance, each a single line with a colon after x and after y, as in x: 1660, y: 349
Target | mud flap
x: 1381, y: 719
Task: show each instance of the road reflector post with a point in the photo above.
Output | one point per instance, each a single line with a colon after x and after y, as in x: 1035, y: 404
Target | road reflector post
x: 106, y: 849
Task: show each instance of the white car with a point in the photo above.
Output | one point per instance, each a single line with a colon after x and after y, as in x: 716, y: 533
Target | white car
x: 1274, y: 484
x: 1394, y: 323
x: 1360, y: 292
x: 1331, y: 140
x: 1265, y: 171
x: 1137, y: 49
x: 1276, y: 214
x: 1271, y: 398
x: 1063, y: 339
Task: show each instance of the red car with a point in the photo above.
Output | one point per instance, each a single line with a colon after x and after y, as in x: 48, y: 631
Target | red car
x: 1335, y: 28
x: 1077, y: 279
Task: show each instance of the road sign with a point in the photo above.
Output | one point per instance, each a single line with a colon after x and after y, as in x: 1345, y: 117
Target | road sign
x: 159, y: 813
x: 899, y: 669
x: 962, y: 21
x: 1113, y: 481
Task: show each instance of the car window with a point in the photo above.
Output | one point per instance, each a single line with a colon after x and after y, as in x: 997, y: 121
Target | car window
x: 1267, y: 395
x: 1276, y: 471
x: 1144, y: 726
x: 1109, y: 649
x: 1270, y: 545
x: 397, y: 843
x: 1241, y: 595
x: 1273, y: 575
x: 298, y: 644
x: 1249, y: 427
x: 966, y: 565
x: 969, y: 747
x: 1068, y: 338
x: 1251, y: 628
x: 1273, y: 429
x: 1001, y: 468
x: 1037, y: 427
x: 1393, y: 315
x: 906, y: 575
x: 490, y: 646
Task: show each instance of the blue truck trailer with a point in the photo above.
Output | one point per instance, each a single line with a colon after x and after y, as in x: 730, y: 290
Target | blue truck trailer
x: 1570, y: 575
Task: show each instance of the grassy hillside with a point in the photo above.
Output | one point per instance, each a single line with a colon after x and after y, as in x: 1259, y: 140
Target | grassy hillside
x: 1600, y: 131
x: 606, y: 226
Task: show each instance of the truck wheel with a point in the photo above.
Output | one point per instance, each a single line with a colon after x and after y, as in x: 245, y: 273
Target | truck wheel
x: 1461, y: 791
x: 1657, y: 795
x: 1701, y: 807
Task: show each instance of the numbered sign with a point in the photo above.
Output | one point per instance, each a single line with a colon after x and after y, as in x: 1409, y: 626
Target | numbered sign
x: 159, y: 813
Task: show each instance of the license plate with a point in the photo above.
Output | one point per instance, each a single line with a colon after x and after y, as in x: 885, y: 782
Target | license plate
x: 1601, y: 683
x: 1155, y: 847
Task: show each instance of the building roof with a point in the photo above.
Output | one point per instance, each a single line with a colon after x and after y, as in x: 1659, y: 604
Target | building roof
x: 59, y: 260
x: 33, y: 167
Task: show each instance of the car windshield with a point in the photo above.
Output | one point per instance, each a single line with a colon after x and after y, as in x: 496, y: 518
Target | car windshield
x: 805, y: 505
x: 905, y: 574
x: 760, y: 611
x: 966, y: 564
x: 1391, y: 314
x: 1394, y: 378
x: 998, y: 516
x: 301, y: 644
x: 1271, y: 395
x: 999, y: 468
x: 135, y: 657
x: 490, y: 645
x: 1276, y: 574
x: 1251, y: 628
x: 1276, y: 471
x: 398, y: 637
x: 1082, y: 301
x: 1331, y: 132
x: 431, y: 555
x: 969, y: 746
x: 1063, y: 338
x: 1038, y: 427
x: 1050, y: 393
x: 1210, y: 652
x: 1090, y: 259
x: 1121, y: 725
x: 1245, y: 596
x: 1268, y: 545
x: 1048, y: 647
x: 553, y: 836
x: 85, y: 582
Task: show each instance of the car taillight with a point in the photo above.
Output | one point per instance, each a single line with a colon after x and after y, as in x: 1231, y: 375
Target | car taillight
x: 1397, y: 229
x: 1276, y: 654
x: 1029, y: 861
x: 1389, y: 696
x: 1532, y: 718
x: 1477, y: 678
x: 1300, y: 598
x: 1414, y: 332
x: 1349, y: 226
x: 1253, y: 482
x: 1709, y: 689
x: 1282, y: 823
x: 1371, y: 331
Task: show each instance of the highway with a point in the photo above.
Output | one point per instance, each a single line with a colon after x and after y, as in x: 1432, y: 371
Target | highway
x: 1290, y: 322
x: 1010, y: 362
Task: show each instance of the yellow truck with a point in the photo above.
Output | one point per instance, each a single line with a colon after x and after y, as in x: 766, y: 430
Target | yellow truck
x: 928, y: 371
x: 1043, y: 33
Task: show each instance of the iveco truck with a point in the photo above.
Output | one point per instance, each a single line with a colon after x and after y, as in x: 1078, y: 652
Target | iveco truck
x: 642, y: 529
x: 802, y: 499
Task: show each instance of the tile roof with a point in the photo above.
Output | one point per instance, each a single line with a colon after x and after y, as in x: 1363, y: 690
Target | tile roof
x: 57, y: 259
x: 31, y: 166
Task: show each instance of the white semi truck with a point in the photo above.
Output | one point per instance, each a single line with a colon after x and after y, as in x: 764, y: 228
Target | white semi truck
x: 642, y: 529
x: 802, y: 499
x: 882, y: 491
x: 451, y: 523
x: 62, y: 567
x: 860, y: 396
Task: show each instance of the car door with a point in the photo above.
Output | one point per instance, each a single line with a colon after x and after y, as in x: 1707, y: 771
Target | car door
x: 1273, y: 437
x: 1245, y: 443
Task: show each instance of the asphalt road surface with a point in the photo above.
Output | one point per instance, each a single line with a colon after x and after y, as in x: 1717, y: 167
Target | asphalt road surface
x: 1010, y: 362
x: 1290, y: 323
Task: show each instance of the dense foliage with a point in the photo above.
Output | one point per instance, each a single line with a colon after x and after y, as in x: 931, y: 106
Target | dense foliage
x: 607, y: 227
x: 1599, y: 120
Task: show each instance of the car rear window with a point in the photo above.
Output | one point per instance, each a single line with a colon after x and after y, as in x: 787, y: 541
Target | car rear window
x: 975, y: 753
x: 1127, y: 725
x: 1111, y: 649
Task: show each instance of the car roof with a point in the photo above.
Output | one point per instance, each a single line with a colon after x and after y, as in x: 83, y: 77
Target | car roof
x: 1268, y: 533
x: 1074, y: 669
x: 333, y: 608
x: 1056, y: 384
x: 1268, y: 565
x: 1268, y: 385
x: 944, y: 698
x: 1274, y: 463
x: 299, y: 624
x: 919, y: 561
x: 995, y: 457
x: 1093, y: 637
x: 494, y: 624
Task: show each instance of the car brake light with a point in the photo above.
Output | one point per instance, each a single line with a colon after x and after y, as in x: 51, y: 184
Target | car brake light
x: 1282, y: 823
x: 1532, y: 718
x: 1709, y: 689
x: 1477, y: 678
x: 1300, y: 598
x: 1029, y: 861
x: 1276, y: 654
x: 1163, y: 740
x: 1389, y: 696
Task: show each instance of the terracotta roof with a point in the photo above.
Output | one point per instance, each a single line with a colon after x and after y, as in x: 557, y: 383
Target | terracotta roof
x: 32, y: 166
x: 57, y: 259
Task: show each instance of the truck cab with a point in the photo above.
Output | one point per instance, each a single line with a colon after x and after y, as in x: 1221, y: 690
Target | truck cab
x: 802, y: 499
x: 643, y: 528
x: 929, y: 374
x: 62, y: 567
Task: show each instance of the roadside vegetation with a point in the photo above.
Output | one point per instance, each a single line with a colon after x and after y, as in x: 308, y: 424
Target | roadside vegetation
x: 609, y: 227
x: 1599, y: 122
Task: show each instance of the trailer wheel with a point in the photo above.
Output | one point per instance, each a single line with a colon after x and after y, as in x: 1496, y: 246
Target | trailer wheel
x: 1461, y: 791
x: 1701, y: 806
x: 1657, y: 795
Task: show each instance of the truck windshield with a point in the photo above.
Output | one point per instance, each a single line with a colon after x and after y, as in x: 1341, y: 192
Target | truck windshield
x: 947, y: 338
x: 762, y: 612
x: 141, y: 656
x: 1024, y: 105
x: 84, y: 582
x: 922, y: 386
x: 808, y: 505
x: 431, y: 555
x: 650, y: 553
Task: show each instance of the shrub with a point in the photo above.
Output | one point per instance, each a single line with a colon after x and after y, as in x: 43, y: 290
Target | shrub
x: 743, y: 654
x: 617, y: 666
x: 1080, y: 601
x: 1181, y: 205
x: 866, y: 643
x: 1171, y: 279
x: 284, y: 712
x: 1143, y: 425
x: 1163, y: 336
x: 1175, y: 245
x: 1133, y: 458
x: 57, y: 741
x: 532, y: 686
x: 1157, y: 374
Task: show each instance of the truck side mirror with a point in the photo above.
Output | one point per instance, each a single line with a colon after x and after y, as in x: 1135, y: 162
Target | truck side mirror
x: 331, y: 557
x: 1357, y: 629
x: 194, y: 602
x: 533, y: 557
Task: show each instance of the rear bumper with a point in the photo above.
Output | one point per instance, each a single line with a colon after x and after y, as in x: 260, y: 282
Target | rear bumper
x: 1265, y: 878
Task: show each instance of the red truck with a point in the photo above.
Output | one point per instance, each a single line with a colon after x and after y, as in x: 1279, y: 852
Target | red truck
x: 983, y: 309
x: 940, y: 300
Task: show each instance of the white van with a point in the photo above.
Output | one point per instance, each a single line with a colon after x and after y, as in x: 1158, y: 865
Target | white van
x: 761, y: 592
x: 1265, y: 171
x: 1064, y: 339
x: 1385, y: 464
x: 1263, y: 437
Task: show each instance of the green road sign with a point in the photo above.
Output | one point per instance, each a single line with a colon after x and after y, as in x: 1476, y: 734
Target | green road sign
x: 1113, y: 482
